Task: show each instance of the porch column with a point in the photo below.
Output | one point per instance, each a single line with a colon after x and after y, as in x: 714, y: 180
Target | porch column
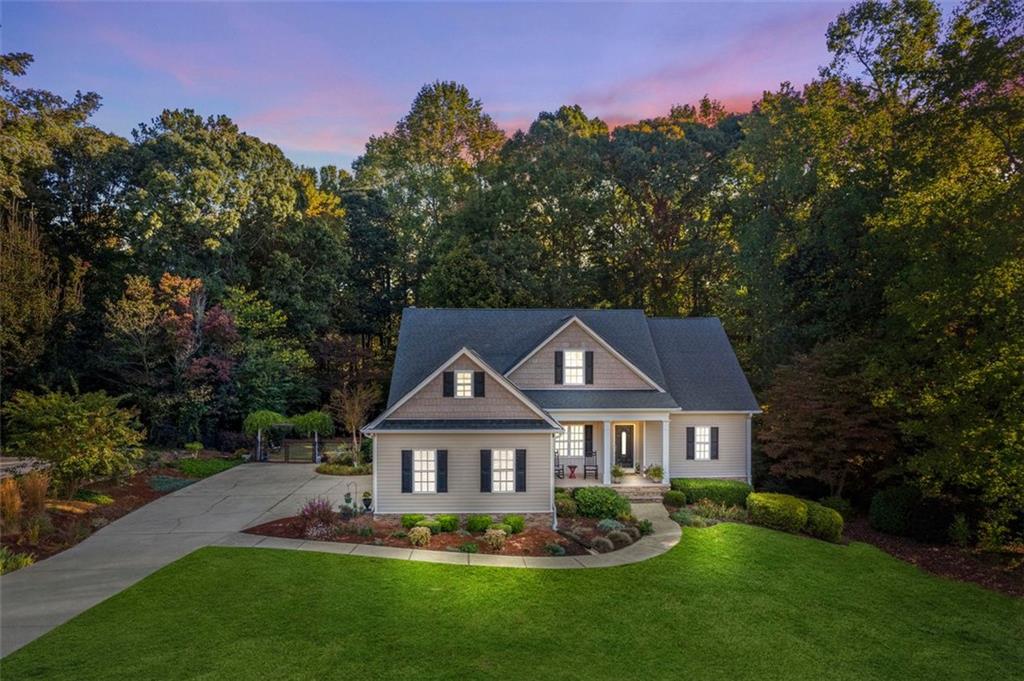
x: 664, y: 451
x: 606, y: 470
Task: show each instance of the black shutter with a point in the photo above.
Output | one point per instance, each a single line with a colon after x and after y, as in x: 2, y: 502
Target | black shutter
x: 406, y: 471
x: 478, y: 384
x: 558, y: 368
x: 520, y: 470
x: 442, y: 470
x: 449, y: 384
x: 589, y: 367
x: 588, y: 439
x: 714, y: 442
x: 485, y: 470
x: 689, y: 442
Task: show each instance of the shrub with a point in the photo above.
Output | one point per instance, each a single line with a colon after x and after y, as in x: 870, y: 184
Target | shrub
x: 399, y: 534
x: 166, y: 483
x: 619, y: 538
x: 838, y: 504
x: 10, y: 504
x: 890, y: 509
x: 38, y: 526
x: 193, y: 448
x: 204, y: 468
x: 10, y: 561
x: 602, y: 545
x: 633, y: 532
x: 674, y: 498
x: 600, y: 502
x: 777, y: 511
x: 447, y: 523
x: 516, y: 523
x: 608, y: 525
x: 656, y: 473
x: 419, y: 536
x: 318, y: 510
x: 710, y: 509
x: 98, y: 498
x: 728, y: 492
x: 432, y: 525
x: 365, y: 530
x: 501, y: 526
x: 344, y: 469
x: 469, y: 547
x: 478, y: 523
x: 824, y: 522
x: 553, y: 549
x: 34, y: 486
x: 409, y: 520
x: 565, y: 507
x: 495, y: 539
x: 84, y: 436
x: 960, y: 531
x: 930, y: 519
x: 688, y: 518
x: 318, y: 530
x: 645, y: 526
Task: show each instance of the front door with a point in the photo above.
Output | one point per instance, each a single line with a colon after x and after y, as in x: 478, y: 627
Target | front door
x: 624, y: 446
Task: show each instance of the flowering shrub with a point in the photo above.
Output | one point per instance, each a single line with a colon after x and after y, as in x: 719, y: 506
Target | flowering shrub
x: 495, y: 539
x: 419, y: 536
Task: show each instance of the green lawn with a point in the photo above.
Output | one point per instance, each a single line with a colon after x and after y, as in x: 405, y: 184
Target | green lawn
x: 730, y: 602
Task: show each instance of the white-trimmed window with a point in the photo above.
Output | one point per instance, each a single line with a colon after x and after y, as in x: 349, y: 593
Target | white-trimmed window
x: 702, y: 443
x: 503, y: 470
x: 570, y: 443
x: 573, y: 367
x: 463, y: 383
x: 424, y: 471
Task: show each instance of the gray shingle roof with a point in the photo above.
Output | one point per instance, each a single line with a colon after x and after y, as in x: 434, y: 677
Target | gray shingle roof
x: 464, y: 424
x: 690, y: 358
x: 601, y: 399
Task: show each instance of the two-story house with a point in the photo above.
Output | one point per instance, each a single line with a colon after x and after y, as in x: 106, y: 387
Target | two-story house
x: 489, y: 410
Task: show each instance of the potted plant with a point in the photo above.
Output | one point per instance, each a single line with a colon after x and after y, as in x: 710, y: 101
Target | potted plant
x: 655, y: 473
x: 367, y: 499
x: 617, y: 473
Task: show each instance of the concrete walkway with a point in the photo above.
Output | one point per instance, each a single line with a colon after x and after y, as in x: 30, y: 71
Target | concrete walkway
x: 666, y: 535
x: 38, y: 598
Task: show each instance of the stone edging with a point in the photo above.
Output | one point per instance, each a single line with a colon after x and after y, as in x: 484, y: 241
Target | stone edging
x: 666, y: 535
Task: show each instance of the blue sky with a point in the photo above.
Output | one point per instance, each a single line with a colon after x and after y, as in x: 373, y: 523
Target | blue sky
x: 318, y: 79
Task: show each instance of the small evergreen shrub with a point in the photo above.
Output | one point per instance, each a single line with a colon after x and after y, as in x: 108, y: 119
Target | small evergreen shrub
x: 432, y: 525
x: 646, y: 527
x: 608, y: 525
x: 619, y: 538
x: 565, y: 507
x: 516, y: 523
x: 824, y: 522
x: 728, y: 492
x: 409, y: 520
x: 469, y: 547
x: 554, y: 549
x: 688, y: 518
x: 495, y: 539
x: 419, y: 536
x: 478, y: 523
x: 447, y: 523
x: 674, y: 498
x: 777, y: 511
x: 92, y: 497
x: 838, y: 504
x: 600, y: 502
x: 890, y: 509
x: 501, y: 526
x: 602, y: 545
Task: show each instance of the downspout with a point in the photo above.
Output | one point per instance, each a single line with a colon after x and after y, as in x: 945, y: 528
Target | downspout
x: 750, y: 477
x: 551, y: 471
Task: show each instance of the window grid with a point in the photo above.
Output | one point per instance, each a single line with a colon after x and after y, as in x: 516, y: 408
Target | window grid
x: 573, y: 367
x: 570, y: 443
x: 424, y: 471
x: 463, y: 383
x: 702, y: 443
x: 503, y: 471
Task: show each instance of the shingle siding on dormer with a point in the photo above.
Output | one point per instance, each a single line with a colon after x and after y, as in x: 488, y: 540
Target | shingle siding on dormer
x: 610, y: 373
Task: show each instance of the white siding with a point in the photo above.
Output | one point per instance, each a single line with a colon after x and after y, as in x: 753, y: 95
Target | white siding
x: 652, y: 437
x: 463, y: 494
x: 732, y: 446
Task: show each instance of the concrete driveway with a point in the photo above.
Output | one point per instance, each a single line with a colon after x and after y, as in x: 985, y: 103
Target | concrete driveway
x: 38, y: 598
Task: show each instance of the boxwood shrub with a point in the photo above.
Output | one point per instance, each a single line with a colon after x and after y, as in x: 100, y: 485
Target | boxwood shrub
x: 410, y: 520
x: 432, y: 525
x: 447, y: 523
x: 516, y: 523
x: 890, y: 510
x: 478, y: 523
x: 565, y: 507
x: 778, y: 511
x: 728, y: 492
x: 675, y: 498
x: 823, y: 522
x: 600, y: 502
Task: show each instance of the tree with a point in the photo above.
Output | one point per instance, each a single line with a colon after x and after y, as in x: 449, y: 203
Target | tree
x: 84, y: 436
x: 315, y: 423
x: 351, y: 405
x: 259, y: 421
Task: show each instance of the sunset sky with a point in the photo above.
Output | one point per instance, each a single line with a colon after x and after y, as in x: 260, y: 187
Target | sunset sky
x: 318, y: 79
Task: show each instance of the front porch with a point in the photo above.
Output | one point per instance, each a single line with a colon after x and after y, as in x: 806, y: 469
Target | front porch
x: 633, y: 486
x: 593, y: 443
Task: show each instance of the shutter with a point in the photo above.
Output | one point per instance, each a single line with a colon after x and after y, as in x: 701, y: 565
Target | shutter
x: 449, y: 384
x: 406, y: 471
x: 478, y: 384
x: 442, y: 470
x: 589, y: 367
x: 588, y: 439
x: 520, y: 470
x: 558, y: 368
x: 485, y: 470
x: 689, y: 442
x: 714, y: 442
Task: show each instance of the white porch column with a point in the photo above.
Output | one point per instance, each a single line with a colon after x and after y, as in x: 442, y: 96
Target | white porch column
x: 606, y: 470
x: 664, y: 451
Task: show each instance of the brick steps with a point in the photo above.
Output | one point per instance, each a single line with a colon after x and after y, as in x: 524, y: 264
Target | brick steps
x: 643, y: 493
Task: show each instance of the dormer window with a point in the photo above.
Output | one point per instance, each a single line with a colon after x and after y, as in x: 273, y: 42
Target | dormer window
x: 463, y: 384
x: 573, y: 367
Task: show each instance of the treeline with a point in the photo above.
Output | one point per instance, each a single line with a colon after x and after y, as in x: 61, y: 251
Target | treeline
x: 860, y: 237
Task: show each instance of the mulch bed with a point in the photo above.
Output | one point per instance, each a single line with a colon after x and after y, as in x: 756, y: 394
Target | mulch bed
x: 999, y: 572
x: 530, y: 542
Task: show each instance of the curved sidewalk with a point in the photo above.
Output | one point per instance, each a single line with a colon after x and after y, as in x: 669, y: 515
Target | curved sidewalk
x: 666, y: 535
